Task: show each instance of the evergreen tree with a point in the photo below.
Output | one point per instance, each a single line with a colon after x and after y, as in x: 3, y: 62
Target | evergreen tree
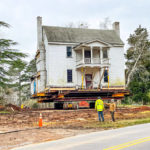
x: 29, y: 71
x: 8, y: 56
x: 17, y: 77
x: 21, y: 75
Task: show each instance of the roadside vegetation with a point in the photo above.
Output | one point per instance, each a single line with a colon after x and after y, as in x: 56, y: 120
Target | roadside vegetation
x: 138, y: 67
x: 15, y: 72
x: 118, y: 124
x: 4, y: 112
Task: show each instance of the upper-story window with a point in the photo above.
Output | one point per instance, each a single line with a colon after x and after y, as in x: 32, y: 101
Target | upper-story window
x: 69, y: 51
x: 105, y: 53
x: 106, y: 76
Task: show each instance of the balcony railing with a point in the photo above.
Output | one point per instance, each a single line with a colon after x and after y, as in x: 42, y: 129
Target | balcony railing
x: 96, y: 60
x: 87, y: 60
x: 104, y: 61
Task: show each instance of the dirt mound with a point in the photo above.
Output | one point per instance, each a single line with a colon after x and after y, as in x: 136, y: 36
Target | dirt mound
x: 2, y: 107
x: 145, y: 108
x: 13, y: 107
x: 142, y: 108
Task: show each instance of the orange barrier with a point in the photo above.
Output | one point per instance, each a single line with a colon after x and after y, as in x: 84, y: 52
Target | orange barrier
x: 40, y: 121
x: 83, y: 104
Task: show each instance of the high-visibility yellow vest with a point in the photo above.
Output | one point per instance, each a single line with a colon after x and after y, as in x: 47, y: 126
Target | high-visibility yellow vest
x: 22, y: 106
x: 99, y: 105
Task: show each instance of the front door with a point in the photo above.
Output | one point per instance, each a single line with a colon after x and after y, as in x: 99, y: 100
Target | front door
x: 88, y: 80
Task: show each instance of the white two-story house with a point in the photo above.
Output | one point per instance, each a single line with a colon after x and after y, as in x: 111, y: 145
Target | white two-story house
x: 77, y: 58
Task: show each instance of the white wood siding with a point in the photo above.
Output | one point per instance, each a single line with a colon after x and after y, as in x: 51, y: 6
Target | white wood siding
x: 117, y: 66
x: 57, y: 64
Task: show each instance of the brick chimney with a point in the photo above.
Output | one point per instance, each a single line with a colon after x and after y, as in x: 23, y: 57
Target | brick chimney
x: 39, y: 32
x: 116, y: 27
x: 41, y: 61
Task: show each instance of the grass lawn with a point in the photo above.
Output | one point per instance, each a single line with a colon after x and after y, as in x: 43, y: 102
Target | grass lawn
x: 118, y: 124
x: 4, y: 112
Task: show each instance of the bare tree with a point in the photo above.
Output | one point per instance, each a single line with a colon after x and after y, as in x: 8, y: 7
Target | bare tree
x: 70, y: 25
x: 80, y: 24
x: 105, y: 24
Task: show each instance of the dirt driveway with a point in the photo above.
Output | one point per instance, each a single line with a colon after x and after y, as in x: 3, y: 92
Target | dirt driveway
x: 21, y: 128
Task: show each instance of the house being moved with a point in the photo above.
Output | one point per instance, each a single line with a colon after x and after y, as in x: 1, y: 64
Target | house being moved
x: 78, y: 64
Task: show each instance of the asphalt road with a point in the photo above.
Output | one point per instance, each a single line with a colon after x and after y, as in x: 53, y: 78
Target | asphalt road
x: 128, y: 138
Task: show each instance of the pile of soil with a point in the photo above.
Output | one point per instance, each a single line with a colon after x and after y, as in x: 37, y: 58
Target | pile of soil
x: 13, y: 107
x: 2, y: 108
x: 142, y: 108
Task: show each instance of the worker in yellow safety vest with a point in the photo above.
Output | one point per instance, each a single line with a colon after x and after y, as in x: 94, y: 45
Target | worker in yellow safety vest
x: 99, y: 107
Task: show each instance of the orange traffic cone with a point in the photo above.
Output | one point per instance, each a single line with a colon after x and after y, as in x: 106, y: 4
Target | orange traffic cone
x: 40, y: 120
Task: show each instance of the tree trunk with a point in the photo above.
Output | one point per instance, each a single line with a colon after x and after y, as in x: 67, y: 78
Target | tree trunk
x: 134, y: 67
x: 144, y: 102
x: 20, y: 89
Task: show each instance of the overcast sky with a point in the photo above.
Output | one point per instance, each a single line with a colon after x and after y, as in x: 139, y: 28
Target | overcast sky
x: 21, y: 15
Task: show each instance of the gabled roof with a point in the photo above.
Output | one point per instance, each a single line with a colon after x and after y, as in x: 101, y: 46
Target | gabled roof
x: 79, y: 35
x: 87, y: 43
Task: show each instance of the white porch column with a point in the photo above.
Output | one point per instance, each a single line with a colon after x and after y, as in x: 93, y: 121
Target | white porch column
x: 108, y: 53
x: 83, y: 55
x: 91, y: 55
x: 101, y: 55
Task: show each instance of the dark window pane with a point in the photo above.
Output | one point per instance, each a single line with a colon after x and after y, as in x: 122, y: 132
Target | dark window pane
x: 69, y: 75
x: 69, y: 51
x: 105, y: 54
x: 87, y: 54
x: 106, y: 76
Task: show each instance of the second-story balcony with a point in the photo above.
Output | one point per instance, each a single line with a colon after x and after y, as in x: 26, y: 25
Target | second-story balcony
x: 94, y: 62
x: 92, y: 55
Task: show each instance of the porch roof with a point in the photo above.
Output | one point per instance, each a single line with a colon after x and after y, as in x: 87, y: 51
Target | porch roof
x: 80, y: 35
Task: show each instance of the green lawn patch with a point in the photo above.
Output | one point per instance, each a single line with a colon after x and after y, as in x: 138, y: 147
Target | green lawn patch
x: 118, y: 124
x: 4, y: 112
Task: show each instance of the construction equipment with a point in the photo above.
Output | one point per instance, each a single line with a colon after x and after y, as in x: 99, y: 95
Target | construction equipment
x: 83, y: 98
